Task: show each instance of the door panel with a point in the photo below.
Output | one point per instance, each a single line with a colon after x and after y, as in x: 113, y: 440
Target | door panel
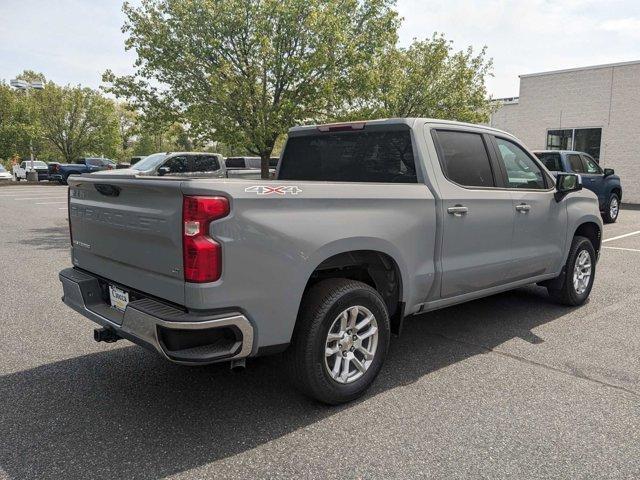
x: 476, y: 247
x: 593, y: 178
x: 477, y: 217
x: 540, y: 222
x: 539, y: 233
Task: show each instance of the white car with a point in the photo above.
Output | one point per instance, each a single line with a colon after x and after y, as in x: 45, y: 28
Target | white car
x: 20, y: 171
x: 4, y: 175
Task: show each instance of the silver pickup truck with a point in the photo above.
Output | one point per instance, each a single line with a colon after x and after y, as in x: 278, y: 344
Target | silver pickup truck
x: 365, y: 224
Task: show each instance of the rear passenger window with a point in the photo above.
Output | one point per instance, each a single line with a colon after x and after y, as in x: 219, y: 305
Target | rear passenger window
x: 205, y: 163
x: 464, y: 158
x: 576, y: 163
x: 234, y: 163
x: 361, y: 156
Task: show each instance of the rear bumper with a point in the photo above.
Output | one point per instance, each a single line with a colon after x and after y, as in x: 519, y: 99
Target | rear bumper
x: 179, y: 336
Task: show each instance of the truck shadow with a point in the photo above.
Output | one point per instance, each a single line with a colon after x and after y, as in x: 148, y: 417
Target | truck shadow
x: 126, y: 413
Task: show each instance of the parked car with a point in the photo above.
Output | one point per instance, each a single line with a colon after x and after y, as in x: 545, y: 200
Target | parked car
x: 183, y: 164
x: 62, y: 171
x: 249, y: 162
x: 4, y: 175
x: 136, y: 159
x: 249, y: 167
x: 367, y: 223
x: 20, y: 171
x: 603, y: 182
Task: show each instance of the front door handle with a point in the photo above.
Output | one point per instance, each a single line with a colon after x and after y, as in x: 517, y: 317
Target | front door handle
x: 523, y: 207
x: 458, y: 210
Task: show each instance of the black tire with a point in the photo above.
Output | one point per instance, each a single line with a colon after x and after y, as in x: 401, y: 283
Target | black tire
x: 17, y: 178
x: 566, y: 293
x: 305, y: 358
x: 608, y: 216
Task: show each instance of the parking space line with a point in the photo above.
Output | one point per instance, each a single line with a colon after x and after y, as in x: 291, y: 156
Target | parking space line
x: 622, y: 248
x: 22, y: 189
x: 621, y: 236
x: 49, y: 203
x: 40, y: 198
x: 19, y: 194
x: 22, y: 194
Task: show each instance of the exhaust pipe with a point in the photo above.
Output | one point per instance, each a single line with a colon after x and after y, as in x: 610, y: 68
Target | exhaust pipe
x: 105, y: 334
x: 238, y: 365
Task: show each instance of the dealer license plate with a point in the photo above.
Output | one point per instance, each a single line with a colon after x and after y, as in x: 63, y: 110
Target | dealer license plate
x: 119, y: 298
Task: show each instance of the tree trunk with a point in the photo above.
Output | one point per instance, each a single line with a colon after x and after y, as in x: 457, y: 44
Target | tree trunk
x: 264, y: 165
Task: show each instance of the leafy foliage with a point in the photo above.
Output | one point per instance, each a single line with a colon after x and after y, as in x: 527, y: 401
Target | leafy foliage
x: 244, y: 71
x: 78, y: 121
x: 427, y: 79
x: 16, y: 125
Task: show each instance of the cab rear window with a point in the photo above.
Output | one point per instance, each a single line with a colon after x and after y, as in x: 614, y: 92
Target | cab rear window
x: 360, y: 156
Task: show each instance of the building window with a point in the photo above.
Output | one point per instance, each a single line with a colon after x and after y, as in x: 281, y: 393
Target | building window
x: 581, y: 139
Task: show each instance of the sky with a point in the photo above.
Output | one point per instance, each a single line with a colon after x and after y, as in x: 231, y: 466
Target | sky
x: 74, y: 41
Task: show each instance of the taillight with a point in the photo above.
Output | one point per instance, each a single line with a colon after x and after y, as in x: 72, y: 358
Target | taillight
x: 69, y: 214
x: 202, y: 255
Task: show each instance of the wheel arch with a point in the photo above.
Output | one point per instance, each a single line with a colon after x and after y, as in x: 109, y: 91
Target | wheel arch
x: 593, y: 232
x: 377, y: 267
x: 617, y: 189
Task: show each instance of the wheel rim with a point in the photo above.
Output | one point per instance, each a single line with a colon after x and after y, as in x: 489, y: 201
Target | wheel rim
x: 352, y: 342
x: 582, y: 272
x: 613, y: 207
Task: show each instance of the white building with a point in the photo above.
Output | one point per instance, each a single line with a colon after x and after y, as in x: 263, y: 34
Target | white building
x: 591, y: 109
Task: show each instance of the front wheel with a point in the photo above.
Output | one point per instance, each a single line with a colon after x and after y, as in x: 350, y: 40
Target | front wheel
x: 580, y: 271
x: 611, y: 209
x: 340, y: 341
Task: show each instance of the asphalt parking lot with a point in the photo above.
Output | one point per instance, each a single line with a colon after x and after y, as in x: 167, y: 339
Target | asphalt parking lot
x: 511, y: 386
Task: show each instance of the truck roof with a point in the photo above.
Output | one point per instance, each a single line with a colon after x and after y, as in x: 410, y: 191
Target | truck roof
x: 397, y: 121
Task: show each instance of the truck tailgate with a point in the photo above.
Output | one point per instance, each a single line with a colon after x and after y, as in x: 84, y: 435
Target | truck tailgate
x: 129, y: 230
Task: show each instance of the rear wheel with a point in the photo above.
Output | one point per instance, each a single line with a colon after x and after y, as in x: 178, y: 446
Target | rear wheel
x: 611, y: 209
x: 580, y: 271
x: 340, y: 341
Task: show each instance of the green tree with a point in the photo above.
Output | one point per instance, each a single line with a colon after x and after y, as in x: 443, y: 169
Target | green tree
x: 427, y: 79
x: 243, y: 71
x: 128, y: 126
x: 15, y: 128
x: 78, y: 121
x: 19, y: 123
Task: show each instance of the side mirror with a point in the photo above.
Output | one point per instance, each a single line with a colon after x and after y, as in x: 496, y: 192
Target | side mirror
x: 608, y: 172
x: 567, y: 183
x: 163, y: 171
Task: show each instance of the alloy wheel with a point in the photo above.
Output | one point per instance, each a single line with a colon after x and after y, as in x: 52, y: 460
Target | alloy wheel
x: 351, y: 344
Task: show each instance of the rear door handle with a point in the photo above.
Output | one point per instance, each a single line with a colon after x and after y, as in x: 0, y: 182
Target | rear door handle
x: 523, y: 207
x: 458, y: 210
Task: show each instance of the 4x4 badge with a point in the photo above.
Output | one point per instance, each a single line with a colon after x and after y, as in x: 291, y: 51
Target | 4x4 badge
x: 279, y: 190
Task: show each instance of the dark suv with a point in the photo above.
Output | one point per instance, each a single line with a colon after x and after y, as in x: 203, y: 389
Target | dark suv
x: 600, y: 181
